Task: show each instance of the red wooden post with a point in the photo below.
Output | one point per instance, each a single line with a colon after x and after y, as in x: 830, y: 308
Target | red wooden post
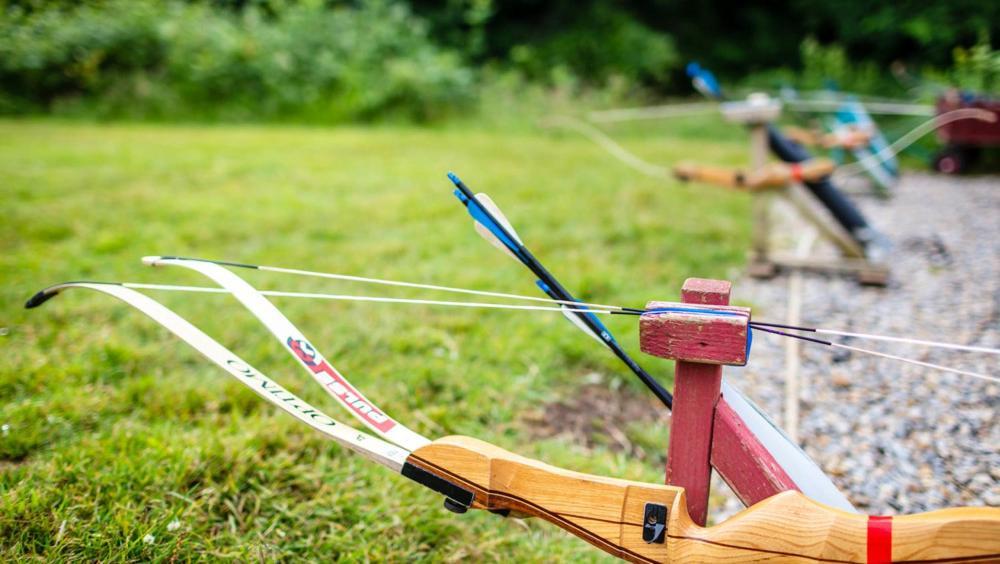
x: 701, y: 339
x: 696, y: 391
x: 742, y: 461
x: 695, y: 333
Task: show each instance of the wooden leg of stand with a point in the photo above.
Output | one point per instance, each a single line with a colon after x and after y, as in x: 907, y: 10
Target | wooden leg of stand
x: 761, y: 201
x: 697, y: 388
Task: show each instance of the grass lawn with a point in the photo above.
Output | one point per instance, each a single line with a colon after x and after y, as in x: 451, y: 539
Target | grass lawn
x: 120, y: 443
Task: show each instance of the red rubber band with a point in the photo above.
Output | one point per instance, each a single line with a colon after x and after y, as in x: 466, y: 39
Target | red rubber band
x: 879, y: 539
x: 796, y: 170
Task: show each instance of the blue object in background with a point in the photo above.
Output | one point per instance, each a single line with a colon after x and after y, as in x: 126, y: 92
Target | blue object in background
x: 704, y: 81
x: 853, y: 113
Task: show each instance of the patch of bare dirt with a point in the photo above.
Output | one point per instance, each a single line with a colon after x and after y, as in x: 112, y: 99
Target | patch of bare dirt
x: 597, y: 416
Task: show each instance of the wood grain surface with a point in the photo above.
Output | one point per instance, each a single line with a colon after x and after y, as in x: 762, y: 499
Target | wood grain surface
x: 771, y: 176
x: 788, y: 527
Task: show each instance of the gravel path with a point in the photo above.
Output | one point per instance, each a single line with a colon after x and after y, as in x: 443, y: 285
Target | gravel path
x: 899, y: 438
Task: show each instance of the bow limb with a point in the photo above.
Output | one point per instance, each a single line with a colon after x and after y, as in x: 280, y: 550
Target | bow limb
x: 295, y: 342
x: 370, y: 447
x: 620, y: 517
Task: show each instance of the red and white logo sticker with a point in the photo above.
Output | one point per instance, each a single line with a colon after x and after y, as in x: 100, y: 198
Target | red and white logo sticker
x: 340, y: 387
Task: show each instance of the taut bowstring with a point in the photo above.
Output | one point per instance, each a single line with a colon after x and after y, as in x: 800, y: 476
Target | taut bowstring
x: 584, y: 307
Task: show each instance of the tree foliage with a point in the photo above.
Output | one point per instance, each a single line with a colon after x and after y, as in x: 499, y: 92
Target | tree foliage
x: 331, y: 60
x: 734, y: 38
x: 262, y: 60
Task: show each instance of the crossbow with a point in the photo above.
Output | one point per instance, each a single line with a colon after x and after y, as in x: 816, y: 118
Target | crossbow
x: 636, y: 521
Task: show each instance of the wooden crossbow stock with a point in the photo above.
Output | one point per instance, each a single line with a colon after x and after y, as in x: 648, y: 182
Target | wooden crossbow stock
x: 644, y: 522
x: 771, y: 176
x: 635, y: 521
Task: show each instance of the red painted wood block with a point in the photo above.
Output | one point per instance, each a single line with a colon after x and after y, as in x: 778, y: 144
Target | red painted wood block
x: 742, y: 461
x: 695, y: 333
x: 706, y: 291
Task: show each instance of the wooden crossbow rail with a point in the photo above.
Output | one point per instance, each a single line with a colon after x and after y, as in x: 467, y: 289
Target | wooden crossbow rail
x: 770, y: 176
x: 765, y: 181
x: 632, y: 520
x: 644, y: 522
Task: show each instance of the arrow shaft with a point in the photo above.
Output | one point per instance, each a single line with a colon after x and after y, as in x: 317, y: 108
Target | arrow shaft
x: 558, y: 292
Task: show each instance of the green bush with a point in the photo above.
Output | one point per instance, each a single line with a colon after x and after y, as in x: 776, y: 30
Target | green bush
x: 604, y: 44
x: 829, y: 65
x: 977, y: 68
x: 53, y: 53
x: 155, y: 59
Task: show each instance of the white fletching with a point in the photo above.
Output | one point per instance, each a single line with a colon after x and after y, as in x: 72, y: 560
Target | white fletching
x: 491, y: 207
x: 485, y: 233
x: 575, y: 320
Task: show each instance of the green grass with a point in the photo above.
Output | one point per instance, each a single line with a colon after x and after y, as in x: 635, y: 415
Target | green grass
x: 113, y: 429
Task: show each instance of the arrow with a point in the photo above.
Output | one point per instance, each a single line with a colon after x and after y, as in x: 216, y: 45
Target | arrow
x: 494, y: 226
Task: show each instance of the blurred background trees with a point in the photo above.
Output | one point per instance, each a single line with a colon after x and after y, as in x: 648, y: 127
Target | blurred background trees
x: 333, y: 61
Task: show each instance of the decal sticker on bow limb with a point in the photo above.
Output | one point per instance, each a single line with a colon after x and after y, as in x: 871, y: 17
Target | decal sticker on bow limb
x: 281, y: 394
x: 339, y: 386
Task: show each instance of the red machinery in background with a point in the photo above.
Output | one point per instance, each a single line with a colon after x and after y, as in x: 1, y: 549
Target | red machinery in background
x: 965, y: 139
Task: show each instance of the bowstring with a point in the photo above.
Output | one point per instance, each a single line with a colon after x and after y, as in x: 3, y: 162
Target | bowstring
x: 380, y: 299
x: 914, y: 135
x: 647, y: 168
x: 772, y: 328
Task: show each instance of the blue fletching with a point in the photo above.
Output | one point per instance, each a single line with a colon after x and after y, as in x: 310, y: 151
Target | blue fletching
x: 604, y: 330
x: 454, y: 178
x: 704, y: 81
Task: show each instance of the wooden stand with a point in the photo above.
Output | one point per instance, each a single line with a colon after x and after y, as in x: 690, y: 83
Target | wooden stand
x: 765, y: 261
x: 703, y: 333
x: 696, y: 392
